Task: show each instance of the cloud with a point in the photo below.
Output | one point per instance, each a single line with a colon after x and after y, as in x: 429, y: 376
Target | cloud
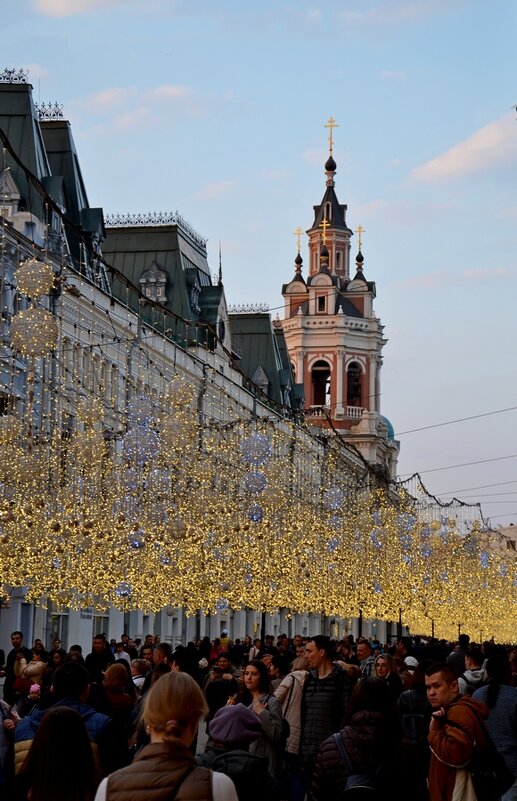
x: 442, y: 278
x: 216, y: 190
x: 68, y: 8
x: 36, y: 71
x: 492, y: 147
x: 170, y: 92
x: 111, y: 98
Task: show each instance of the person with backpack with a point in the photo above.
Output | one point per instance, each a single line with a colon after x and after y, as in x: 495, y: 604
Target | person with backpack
x: 501, y: 699
x: 415, y: 714
x: 232, y: 730
x: 365, y: 751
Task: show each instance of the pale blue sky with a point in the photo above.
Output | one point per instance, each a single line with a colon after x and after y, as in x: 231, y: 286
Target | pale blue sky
x: 216, y: 109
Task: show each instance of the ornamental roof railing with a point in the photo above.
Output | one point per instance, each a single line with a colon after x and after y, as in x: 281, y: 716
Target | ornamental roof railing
x: 154, y: 218
x: 49, y: 111
x: 248, y: 308
x: 14, y: 75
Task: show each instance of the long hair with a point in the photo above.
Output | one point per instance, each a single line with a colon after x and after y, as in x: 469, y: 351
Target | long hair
x: 174, y: 703
x: 264, y: 681
x: 59, y: 764
x: 374, y: 694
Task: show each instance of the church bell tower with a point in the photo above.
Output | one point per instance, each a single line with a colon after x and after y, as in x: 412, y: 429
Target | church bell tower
x: 333, y: 336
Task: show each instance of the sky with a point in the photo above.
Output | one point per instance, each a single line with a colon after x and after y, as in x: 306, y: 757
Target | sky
x: 216, y: 109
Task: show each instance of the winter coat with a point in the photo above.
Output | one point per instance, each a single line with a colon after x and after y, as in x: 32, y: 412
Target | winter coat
x: 502, y: 722
x: 248, y: 772
x: 268, y: 744
x: 452, y: 748
x: 290, y: 693
x: 368, y: 743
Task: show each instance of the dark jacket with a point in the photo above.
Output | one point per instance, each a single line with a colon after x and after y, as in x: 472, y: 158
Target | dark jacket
x: 248, y: 772
x: 370, y: 747
x: 9, y: 695
x: 324, y: 706
x: 107, y: 749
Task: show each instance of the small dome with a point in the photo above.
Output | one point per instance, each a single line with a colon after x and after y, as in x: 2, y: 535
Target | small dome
x: 324, y: 251
x: 389, y: 426
x: 359, y: 259
x: 298, y: 259
x: 330, y: 165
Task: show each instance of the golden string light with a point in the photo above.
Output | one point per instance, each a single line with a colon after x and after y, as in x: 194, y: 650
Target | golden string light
x: 180, y: 496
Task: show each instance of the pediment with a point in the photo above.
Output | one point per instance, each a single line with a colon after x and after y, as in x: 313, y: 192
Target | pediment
x: 321, y: 279
x: 8, y: 189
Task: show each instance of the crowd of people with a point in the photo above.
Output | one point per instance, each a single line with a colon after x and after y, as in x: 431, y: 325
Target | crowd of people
x: 291, y: 719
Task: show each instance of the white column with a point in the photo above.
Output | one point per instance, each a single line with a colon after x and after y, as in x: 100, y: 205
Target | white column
x: 340, y: 356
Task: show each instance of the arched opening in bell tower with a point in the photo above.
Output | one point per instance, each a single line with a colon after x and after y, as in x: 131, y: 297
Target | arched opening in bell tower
x: 353, y: 385
x: 320, y: 375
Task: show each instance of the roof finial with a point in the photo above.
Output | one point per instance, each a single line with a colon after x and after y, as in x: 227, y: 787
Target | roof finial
x: 325, y: 224
x: 331, y: 124
x: 220, y: 276
x: 298, y: 234
x: 359, y: 230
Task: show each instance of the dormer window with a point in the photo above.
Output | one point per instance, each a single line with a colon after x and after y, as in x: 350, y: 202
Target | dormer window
x: 152, y: 283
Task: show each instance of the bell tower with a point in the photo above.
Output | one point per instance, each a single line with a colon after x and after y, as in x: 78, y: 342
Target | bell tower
x: 334, y: 338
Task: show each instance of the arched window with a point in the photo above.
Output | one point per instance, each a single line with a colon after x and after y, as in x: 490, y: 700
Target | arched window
x: 320, y: 384
x: 328, y: 211
x: 353, y: 385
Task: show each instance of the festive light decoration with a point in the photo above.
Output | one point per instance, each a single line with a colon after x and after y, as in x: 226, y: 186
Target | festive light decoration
x: 34, y: 332
x: 34, y: 278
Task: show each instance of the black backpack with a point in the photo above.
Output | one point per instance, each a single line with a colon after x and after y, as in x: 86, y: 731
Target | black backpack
x: 357, y: 785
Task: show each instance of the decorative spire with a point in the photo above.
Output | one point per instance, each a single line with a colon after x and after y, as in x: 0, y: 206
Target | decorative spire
x: 324, y: 224
x: 359, y: 231
x: 331, y: 124
x: 298, y: 268
x: 298, y: 234
x: 220, y: 276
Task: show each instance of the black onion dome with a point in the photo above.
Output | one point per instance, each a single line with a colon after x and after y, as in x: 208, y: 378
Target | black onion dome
x: 324, y: 251
x: 359, y: 258
x: 330, y: 165
x: 298, y: 259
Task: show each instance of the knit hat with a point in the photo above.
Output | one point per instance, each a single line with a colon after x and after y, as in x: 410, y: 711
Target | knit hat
x: 234, y: 724
x: 411, y: 662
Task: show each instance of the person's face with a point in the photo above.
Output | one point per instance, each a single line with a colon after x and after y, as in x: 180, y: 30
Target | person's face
x: 381, y: 668
x: 158, y: 656
x: 147, y: 653
x: 57, y: 659
x: 251, y: 678
x: 315, y: 656
x: 300, y: 650
x: 57, y: 643
x: 297, y: 641
x: 124, y: 638
x: 16, y: 640
x: 223, y: 663
x: 363, y: 650
x: 98, y: 646
x: 149, y: 639
x: 439, y: 691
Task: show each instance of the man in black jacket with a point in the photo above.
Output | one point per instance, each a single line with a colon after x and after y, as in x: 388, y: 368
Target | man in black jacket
x: 18, y: 652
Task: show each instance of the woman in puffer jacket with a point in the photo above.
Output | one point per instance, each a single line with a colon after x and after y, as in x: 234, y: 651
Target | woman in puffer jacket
x: 371, y: 738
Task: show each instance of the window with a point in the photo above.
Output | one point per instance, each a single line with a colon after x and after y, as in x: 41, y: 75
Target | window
x: 321, y: 303
x: 320, y: 384
x: 152, y: 283
x: 353, y: 391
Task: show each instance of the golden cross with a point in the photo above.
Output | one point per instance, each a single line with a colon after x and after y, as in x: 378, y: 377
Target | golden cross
x: 359, y: 230
x: 331, y: 124
x: 298, y: 233
x: 325, y: 224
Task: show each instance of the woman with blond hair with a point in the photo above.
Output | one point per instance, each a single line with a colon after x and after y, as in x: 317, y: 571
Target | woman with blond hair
x: 386, y: 668
x: 165, y: 769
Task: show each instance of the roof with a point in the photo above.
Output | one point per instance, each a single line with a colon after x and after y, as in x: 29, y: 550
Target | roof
x: 261, y: 346
x: 19, y: 121
x: 338, y: 212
